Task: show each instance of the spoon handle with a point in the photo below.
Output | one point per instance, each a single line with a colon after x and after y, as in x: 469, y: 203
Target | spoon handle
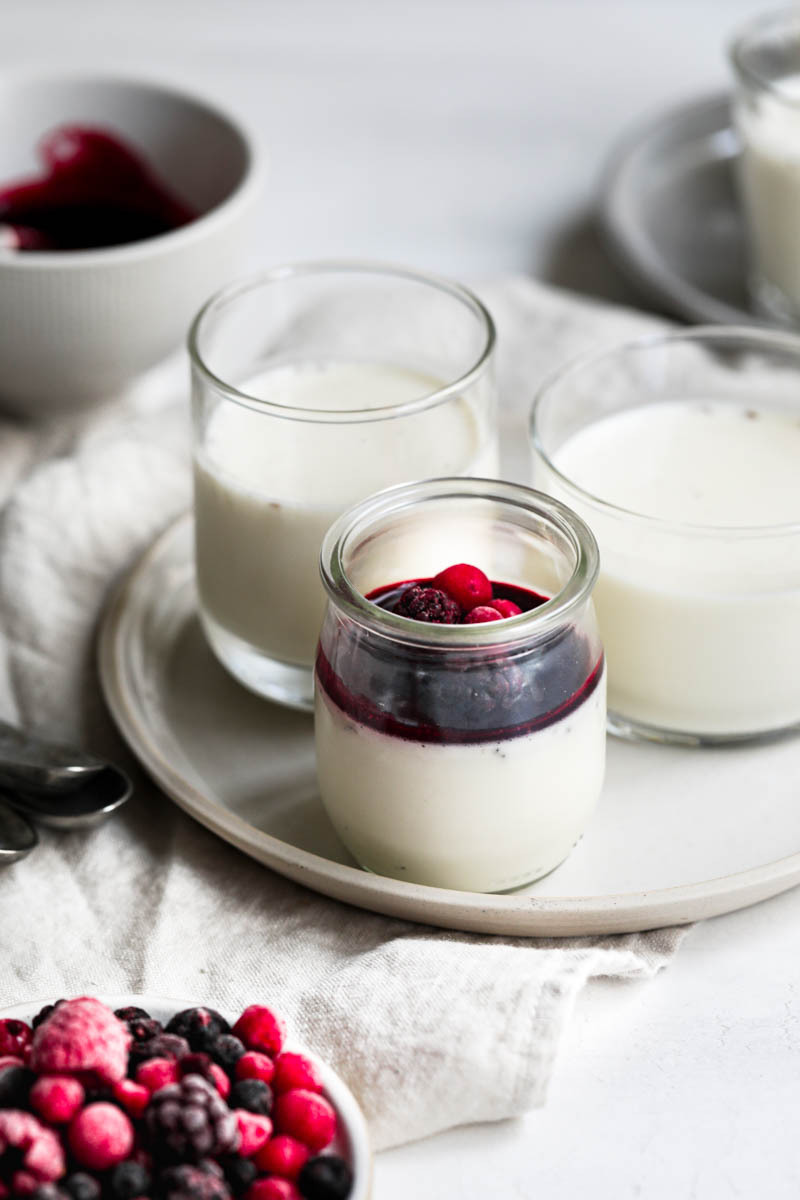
x: 28, y: 762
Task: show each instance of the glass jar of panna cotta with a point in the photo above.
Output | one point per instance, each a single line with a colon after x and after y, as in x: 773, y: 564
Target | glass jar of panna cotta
x: 682, y: 453
x: 766, y: 62
x: 465, y: 756
x: 314, y: 386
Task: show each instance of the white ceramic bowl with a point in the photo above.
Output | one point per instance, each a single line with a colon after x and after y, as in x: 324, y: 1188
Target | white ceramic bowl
x: 352, y: 1139
x: 77, y: 326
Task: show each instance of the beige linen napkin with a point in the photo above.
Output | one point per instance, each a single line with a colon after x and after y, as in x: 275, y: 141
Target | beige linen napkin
x: 431, y: 1029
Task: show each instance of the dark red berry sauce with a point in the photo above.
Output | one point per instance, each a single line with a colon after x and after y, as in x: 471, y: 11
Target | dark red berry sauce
x: 94, y: 191
x: 430, y: 694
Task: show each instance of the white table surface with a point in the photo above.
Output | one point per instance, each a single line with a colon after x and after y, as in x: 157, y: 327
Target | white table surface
x: 466, y: 136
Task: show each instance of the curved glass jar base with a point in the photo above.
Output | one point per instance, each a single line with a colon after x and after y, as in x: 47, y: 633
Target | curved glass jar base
x: 284, y: 683
x: 636, y: 731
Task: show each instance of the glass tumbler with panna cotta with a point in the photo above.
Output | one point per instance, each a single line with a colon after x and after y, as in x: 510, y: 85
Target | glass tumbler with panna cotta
x: 460, y: 745
x: 682, y: 453
x: 766, y: 107
x: 313, y: 386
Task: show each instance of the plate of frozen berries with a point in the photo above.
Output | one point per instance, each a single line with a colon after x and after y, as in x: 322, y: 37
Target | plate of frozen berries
x: 136, y: 1098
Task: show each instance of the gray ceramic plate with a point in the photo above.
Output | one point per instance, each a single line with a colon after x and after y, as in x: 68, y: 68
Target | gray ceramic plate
x: 679, y: 833
x: 671, y: 213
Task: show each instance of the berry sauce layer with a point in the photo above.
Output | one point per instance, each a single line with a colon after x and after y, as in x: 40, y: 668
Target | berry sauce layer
x: 95, y: 191
x: 448, y: 695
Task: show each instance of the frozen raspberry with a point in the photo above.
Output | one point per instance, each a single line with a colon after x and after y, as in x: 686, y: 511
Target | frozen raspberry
x: 163, y: 1045
x: 220, y: 1080
x: 81, y: 1186
x: 128, y: 1180
x: 226, y: 1050
x: 199, y: 1026
x: 305, y: 1116
x: 30, y: 1153
x: 481, y: 614
x: 282, y: 1156
x: 15, y: 1038
x: 186, y: 1182
x: 254, y: 1065
x: 254, y: 1129
x: 326, y: 1177
x: 190, y: 1120
x: 239, y: 1173
x: 506, y: 608
x: 134, y: 1097
x: 80, y: 1037
x: 272, y: 1189
x: 253, y: 1095
x: 467, y: 585
x: 56, y: 1098
x: 100, y: 1136
x: 141, y: 1026
x: 261, y: 1029
x: 428, y: 604
x: 45, y: 1012
x: 296, y: 1071
x: 156, y: 1073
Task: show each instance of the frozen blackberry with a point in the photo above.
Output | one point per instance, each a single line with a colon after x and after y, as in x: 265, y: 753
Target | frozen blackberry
x: 193, y: 1183
x: 239, y: 1172
x: 253, y: 1095
x: 200, y: 1026
x: 428, y: 604
x: 128, y: 1180
x: 44, y: 1013
x: 15, y: 1086
x: 141, y: 1026
x: 50, y: 1191
x: 163, y: 1045
x: 189, y: 1120
x: 80, y: 1186
x: 226, y: 1050
x: 326, y: 1177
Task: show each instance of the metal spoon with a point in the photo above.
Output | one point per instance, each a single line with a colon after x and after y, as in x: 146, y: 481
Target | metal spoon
x: 33, y: 764
x: 17, y: 836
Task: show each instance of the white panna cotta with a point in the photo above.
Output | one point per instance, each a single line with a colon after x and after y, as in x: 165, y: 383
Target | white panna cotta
x: 483, y: 816
x: 267, y: 488
x: 699, y: 606
x: 769, y: 171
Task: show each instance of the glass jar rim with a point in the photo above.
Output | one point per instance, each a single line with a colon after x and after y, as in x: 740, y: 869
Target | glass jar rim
x: 541, y: 620
x: 739, y: 46
x: 759, y: 339
x: 343, y: 267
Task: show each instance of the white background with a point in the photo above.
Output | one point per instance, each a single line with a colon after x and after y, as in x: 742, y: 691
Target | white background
x: 467, y: 136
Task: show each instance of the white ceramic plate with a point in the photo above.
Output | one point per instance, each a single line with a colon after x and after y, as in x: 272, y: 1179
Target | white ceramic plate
x: 352, y: 1140
x: 671, y: 213
x: 680, y: 833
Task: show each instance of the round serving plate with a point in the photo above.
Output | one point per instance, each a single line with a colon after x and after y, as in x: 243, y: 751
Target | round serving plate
x: 670, y: 211
x: 352, y: 1138
x: 679, y: 834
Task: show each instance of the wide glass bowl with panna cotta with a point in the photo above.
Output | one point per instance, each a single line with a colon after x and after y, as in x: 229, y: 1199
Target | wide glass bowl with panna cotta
x: 682, y: 454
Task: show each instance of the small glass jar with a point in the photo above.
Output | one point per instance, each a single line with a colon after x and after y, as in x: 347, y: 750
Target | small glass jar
x: 465, y: 756
x: 766, y: 62
x: 313, y: 386
x: 681, y: 452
